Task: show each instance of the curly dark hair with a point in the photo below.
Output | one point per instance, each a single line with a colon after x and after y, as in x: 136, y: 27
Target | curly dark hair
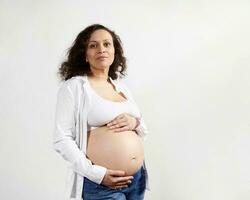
x: 76, y: 64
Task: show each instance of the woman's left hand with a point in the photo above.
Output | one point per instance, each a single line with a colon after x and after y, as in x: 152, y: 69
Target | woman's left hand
x: 123, y: 122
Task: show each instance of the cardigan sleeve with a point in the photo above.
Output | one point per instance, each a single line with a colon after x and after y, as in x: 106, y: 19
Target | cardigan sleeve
x: 64, y: 137
x: 142, y: 129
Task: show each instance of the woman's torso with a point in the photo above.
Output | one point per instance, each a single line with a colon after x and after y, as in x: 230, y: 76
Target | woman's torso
x: 117, y: 151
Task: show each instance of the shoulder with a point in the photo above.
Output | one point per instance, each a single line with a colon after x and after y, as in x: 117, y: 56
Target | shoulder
x: 74, y: 82
x: 120, y: 83
x: 73, y: 85
x: 122, y: 86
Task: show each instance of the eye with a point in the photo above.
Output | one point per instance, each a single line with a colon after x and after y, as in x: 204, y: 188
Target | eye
x: 92, y: 45
x: 107, y: 44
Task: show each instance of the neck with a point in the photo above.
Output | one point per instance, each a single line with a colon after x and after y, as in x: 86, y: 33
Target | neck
x: 99, y: 74
x: 99, y: 77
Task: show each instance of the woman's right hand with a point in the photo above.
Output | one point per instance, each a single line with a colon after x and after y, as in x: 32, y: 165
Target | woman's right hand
x: 116, y: 179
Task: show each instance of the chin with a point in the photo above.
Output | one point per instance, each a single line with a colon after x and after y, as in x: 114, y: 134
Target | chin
x: 103, y: 65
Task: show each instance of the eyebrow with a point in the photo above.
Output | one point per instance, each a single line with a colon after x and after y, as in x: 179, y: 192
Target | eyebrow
x: 97, y: 41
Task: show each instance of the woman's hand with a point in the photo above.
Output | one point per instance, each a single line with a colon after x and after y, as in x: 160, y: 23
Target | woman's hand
x: 116, y: 179
x: 123, y: 122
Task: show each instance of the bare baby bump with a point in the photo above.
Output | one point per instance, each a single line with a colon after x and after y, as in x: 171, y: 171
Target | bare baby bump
x: 115, y: 150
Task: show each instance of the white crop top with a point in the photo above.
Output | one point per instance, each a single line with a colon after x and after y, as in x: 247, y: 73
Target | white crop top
x: 103, y: 111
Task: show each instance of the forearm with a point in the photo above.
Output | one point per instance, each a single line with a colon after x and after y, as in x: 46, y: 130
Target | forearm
x: 70, y: 152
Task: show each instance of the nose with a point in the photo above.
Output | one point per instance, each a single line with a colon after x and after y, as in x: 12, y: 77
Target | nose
x: 101, y: 48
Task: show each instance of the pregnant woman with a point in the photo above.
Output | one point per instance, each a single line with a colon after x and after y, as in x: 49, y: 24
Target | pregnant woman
x: 99, y: 129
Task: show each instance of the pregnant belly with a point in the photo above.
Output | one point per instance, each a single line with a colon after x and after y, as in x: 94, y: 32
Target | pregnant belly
x: 115, y: 150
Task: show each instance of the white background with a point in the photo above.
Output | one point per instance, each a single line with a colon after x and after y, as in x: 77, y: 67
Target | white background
x: 188, y: 68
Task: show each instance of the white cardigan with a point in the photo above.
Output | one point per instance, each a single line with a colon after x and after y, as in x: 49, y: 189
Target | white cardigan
x: 70, y: 134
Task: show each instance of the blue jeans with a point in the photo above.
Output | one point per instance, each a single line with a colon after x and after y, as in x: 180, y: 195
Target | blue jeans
x: 134, y: 191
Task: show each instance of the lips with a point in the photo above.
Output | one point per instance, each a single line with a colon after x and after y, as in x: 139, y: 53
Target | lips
x: 102, y: 57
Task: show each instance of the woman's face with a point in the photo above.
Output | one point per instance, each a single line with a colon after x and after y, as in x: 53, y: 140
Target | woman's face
x: 100, y: 50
